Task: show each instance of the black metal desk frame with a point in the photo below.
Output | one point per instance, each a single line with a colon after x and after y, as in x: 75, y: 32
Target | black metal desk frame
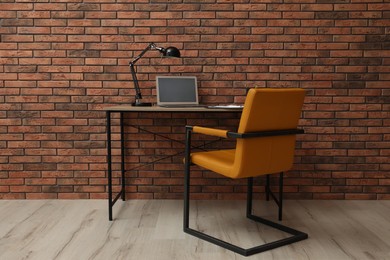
x: 127, y: 109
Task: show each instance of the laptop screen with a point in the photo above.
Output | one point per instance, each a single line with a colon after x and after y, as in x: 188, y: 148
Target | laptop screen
x: 177, y: 90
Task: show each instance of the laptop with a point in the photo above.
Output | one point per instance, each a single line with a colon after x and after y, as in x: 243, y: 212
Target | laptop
x: 177, y: 91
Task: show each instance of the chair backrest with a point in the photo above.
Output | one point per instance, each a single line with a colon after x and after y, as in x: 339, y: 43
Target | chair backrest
x: 267, y: 109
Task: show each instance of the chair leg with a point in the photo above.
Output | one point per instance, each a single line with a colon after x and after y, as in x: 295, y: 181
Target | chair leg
x: 249, y: 197
x: 187, y: 165
x: 267, y: 188
x: 280, y: 204
x: 296, y: 235
x: 279, y: 200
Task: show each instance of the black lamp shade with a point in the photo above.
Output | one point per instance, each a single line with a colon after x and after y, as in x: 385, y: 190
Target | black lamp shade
x: 172, y: 52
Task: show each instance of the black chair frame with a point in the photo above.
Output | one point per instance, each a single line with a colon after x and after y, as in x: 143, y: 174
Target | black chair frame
x: 296, y: 235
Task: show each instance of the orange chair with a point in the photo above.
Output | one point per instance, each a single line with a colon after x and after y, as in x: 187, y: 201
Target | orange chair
x: 265, y: 144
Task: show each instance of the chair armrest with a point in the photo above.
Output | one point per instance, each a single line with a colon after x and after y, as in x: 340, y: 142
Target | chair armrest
x: 227, y: 134
x: 265, y: 133
x: 209, y: 131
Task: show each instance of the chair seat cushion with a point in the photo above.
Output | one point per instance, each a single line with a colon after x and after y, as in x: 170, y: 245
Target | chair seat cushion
x: 220, y: 161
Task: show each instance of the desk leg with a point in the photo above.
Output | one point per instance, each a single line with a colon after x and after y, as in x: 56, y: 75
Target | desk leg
x: 123, y: 190
x: 109, y: 165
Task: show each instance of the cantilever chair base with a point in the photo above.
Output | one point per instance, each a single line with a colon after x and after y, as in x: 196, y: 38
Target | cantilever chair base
x: 296, y: 235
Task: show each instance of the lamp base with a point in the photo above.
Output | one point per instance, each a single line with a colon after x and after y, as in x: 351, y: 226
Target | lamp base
x: 141, y: 104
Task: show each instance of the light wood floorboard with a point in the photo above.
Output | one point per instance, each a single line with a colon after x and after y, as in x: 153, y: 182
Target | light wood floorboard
x: 152, y: 229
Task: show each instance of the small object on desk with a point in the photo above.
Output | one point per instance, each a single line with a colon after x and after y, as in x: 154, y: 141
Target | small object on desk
x: 235, y: 106
x: 177, y: 90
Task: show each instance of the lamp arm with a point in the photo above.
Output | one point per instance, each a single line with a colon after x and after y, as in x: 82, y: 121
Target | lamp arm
x: 138, y: 94
x: 149, y: 47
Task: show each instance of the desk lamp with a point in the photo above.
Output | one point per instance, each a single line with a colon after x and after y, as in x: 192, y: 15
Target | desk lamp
x: 168, y: 52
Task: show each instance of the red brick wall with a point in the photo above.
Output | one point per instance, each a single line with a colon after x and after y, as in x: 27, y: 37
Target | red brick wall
x: 61, y: 62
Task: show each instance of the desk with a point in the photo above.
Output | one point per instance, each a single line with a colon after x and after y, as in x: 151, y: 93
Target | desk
x: 129, y: 109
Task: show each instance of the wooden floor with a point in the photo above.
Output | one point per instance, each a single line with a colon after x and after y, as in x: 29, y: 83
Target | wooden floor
x: 152, y: 229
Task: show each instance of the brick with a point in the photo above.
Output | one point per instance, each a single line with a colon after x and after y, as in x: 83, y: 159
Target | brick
x: 40, y: 181
x: 69, y: 196
x: 360, y: 196
x: 24, y: 189
x: 16, y: 6
x: 41, y: 196
x: 314, y: 189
